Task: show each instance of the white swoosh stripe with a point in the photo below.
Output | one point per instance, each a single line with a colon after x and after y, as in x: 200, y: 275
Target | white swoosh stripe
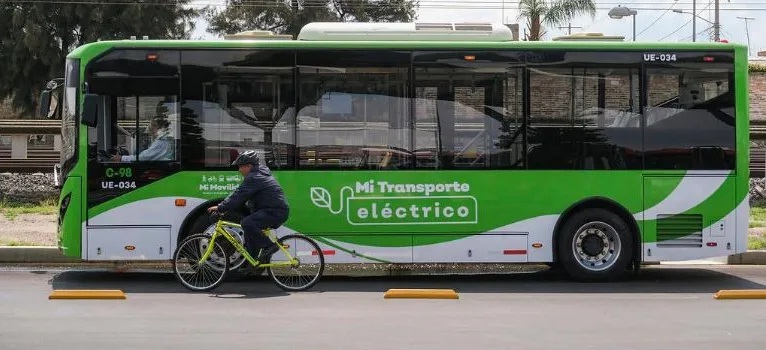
x: 690, y: 192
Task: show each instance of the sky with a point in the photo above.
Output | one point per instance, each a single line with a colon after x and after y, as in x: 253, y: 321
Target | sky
x: 655, y: 19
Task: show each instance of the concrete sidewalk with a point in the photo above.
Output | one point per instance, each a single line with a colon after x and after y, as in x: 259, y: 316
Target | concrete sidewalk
x: 52, y: 255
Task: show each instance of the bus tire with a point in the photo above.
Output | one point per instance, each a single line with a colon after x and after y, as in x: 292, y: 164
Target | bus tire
x: 245, y: 270
x: 595, y: 244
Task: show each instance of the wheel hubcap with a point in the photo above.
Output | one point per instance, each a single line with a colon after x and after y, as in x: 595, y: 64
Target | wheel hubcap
x: 235, y: 259
x: 596, y: 246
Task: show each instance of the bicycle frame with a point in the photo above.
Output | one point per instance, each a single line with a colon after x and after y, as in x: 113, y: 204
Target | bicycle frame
x: 219, y: 231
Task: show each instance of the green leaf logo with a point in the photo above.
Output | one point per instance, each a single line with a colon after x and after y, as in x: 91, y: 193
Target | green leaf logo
x: 321, y: 197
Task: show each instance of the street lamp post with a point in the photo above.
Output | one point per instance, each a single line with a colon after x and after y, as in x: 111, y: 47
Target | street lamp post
x: 620, y: 12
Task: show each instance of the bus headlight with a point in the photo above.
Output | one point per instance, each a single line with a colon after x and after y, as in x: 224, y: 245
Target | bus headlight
x: 63, y: 207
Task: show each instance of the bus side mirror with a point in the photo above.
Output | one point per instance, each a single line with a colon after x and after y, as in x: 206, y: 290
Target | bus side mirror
x: 45, y: 104
x: 90, y: 110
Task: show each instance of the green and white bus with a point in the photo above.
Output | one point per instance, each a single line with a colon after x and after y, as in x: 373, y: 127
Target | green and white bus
x: 414, y: 143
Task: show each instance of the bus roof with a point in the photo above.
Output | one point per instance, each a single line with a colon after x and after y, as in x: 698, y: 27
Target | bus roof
x: 361, y: 31
x: 405, y: 36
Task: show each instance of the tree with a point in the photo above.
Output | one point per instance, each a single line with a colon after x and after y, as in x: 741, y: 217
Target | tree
x: 551, y: 12
x: 35, y: 37
x: 289, y: 16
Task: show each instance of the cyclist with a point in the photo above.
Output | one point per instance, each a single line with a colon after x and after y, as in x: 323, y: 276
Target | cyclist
x: 263, y: 196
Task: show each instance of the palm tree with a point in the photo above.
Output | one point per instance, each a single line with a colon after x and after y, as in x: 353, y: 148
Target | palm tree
x: 552, y: 12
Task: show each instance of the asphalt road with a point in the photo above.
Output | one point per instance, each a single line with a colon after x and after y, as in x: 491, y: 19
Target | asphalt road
x: 664, y: 308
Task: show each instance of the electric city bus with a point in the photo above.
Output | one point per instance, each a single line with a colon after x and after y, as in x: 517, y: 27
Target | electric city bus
x: 413, y: 143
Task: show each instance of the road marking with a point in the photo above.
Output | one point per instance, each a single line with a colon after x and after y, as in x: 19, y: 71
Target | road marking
x: 740, y: 294
x: 421, y: 294
x: 86, y: 294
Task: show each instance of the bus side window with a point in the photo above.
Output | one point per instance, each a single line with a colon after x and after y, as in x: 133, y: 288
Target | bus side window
x: 353, y: 110
x: 469, y: 110
x: 236, y: 100
x: 146, y: 129
x: 690, y: 121
x: 584, y: 112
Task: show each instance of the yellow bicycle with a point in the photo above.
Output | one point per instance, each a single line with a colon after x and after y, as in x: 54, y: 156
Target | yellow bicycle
x: 201, y: 263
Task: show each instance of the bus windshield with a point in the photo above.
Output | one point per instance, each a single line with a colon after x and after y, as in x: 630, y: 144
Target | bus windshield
x: 68, y: 117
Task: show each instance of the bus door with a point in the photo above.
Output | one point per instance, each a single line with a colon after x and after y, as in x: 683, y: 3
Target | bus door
x: 469, y: 114
x: 132, y: 149
x: 689, y: 158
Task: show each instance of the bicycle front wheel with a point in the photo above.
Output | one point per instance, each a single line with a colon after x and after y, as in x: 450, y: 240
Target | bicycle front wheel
x: 308, y: 270
x: 198, y: 276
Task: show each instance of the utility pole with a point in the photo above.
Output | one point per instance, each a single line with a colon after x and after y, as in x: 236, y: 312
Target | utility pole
x: 747, y: 31
x: 569, y: 27
x: 694, y: 20
x: 717, y: 25
x: 717, y: 22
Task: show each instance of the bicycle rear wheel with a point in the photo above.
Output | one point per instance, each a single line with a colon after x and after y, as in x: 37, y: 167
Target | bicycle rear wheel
x: 306, y: 273
x: 193, y: 275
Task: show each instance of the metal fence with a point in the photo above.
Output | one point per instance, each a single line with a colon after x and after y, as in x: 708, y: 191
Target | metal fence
x: 29, y: 145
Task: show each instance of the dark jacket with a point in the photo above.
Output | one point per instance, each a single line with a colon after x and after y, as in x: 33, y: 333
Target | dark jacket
x: 259, y: 190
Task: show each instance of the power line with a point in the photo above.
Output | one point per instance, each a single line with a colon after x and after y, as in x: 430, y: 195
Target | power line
x: 708, y: 29
x: 685, y: 24
x: 694, y: 16
x: 440, y: 4
x: 246, y: 2
x: 658, y: 18
x: 676, y: 31
x: 606, y: 15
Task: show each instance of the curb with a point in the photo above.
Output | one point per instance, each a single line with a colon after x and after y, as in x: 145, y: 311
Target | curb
x: 33, y: 254
x: 36, y: 254
x: 754, y: 257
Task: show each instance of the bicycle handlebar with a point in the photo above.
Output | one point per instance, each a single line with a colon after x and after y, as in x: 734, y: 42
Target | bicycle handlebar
x: 216, y: 215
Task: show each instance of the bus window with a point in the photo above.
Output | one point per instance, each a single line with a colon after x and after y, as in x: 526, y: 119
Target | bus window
x: 142, y: 129
x: 139, y: 92
x: 148, y: 128
x: 353, y: 110
x: 236, y: 100
x: 469, y: 109
x: 690, y: 121
x: 584, y: 111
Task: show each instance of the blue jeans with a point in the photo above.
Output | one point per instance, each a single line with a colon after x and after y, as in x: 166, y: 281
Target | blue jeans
x: 255, y: 223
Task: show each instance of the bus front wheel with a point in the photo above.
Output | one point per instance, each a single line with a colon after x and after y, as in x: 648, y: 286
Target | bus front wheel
x: 240, y: 269
x: 595, y: 244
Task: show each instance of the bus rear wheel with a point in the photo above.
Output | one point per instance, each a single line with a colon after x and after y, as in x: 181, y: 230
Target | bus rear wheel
x: 595, y: 245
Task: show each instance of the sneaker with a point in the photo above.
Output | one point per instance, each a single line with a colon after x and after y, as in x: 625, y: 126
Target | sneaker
x: 267, y: 252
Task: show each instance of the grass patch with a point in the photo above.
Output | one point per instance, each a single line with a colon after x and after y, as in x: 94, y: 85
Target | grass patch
x: 14, y: 243
x: 757, y: 215
x: 757, y: 219
x: 11, y: 211
x: 756, y: 242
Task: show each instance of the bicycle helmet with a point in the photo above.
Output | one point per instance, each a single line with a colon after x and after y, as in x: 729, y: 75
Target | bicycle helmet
x: 246, y: 157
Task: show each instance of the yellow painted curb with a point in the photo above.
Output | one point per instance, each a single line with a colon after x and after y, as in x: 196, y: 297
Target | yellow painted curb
x: 420, y: 294
x: 741, y: 294
x: 86, y: 294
